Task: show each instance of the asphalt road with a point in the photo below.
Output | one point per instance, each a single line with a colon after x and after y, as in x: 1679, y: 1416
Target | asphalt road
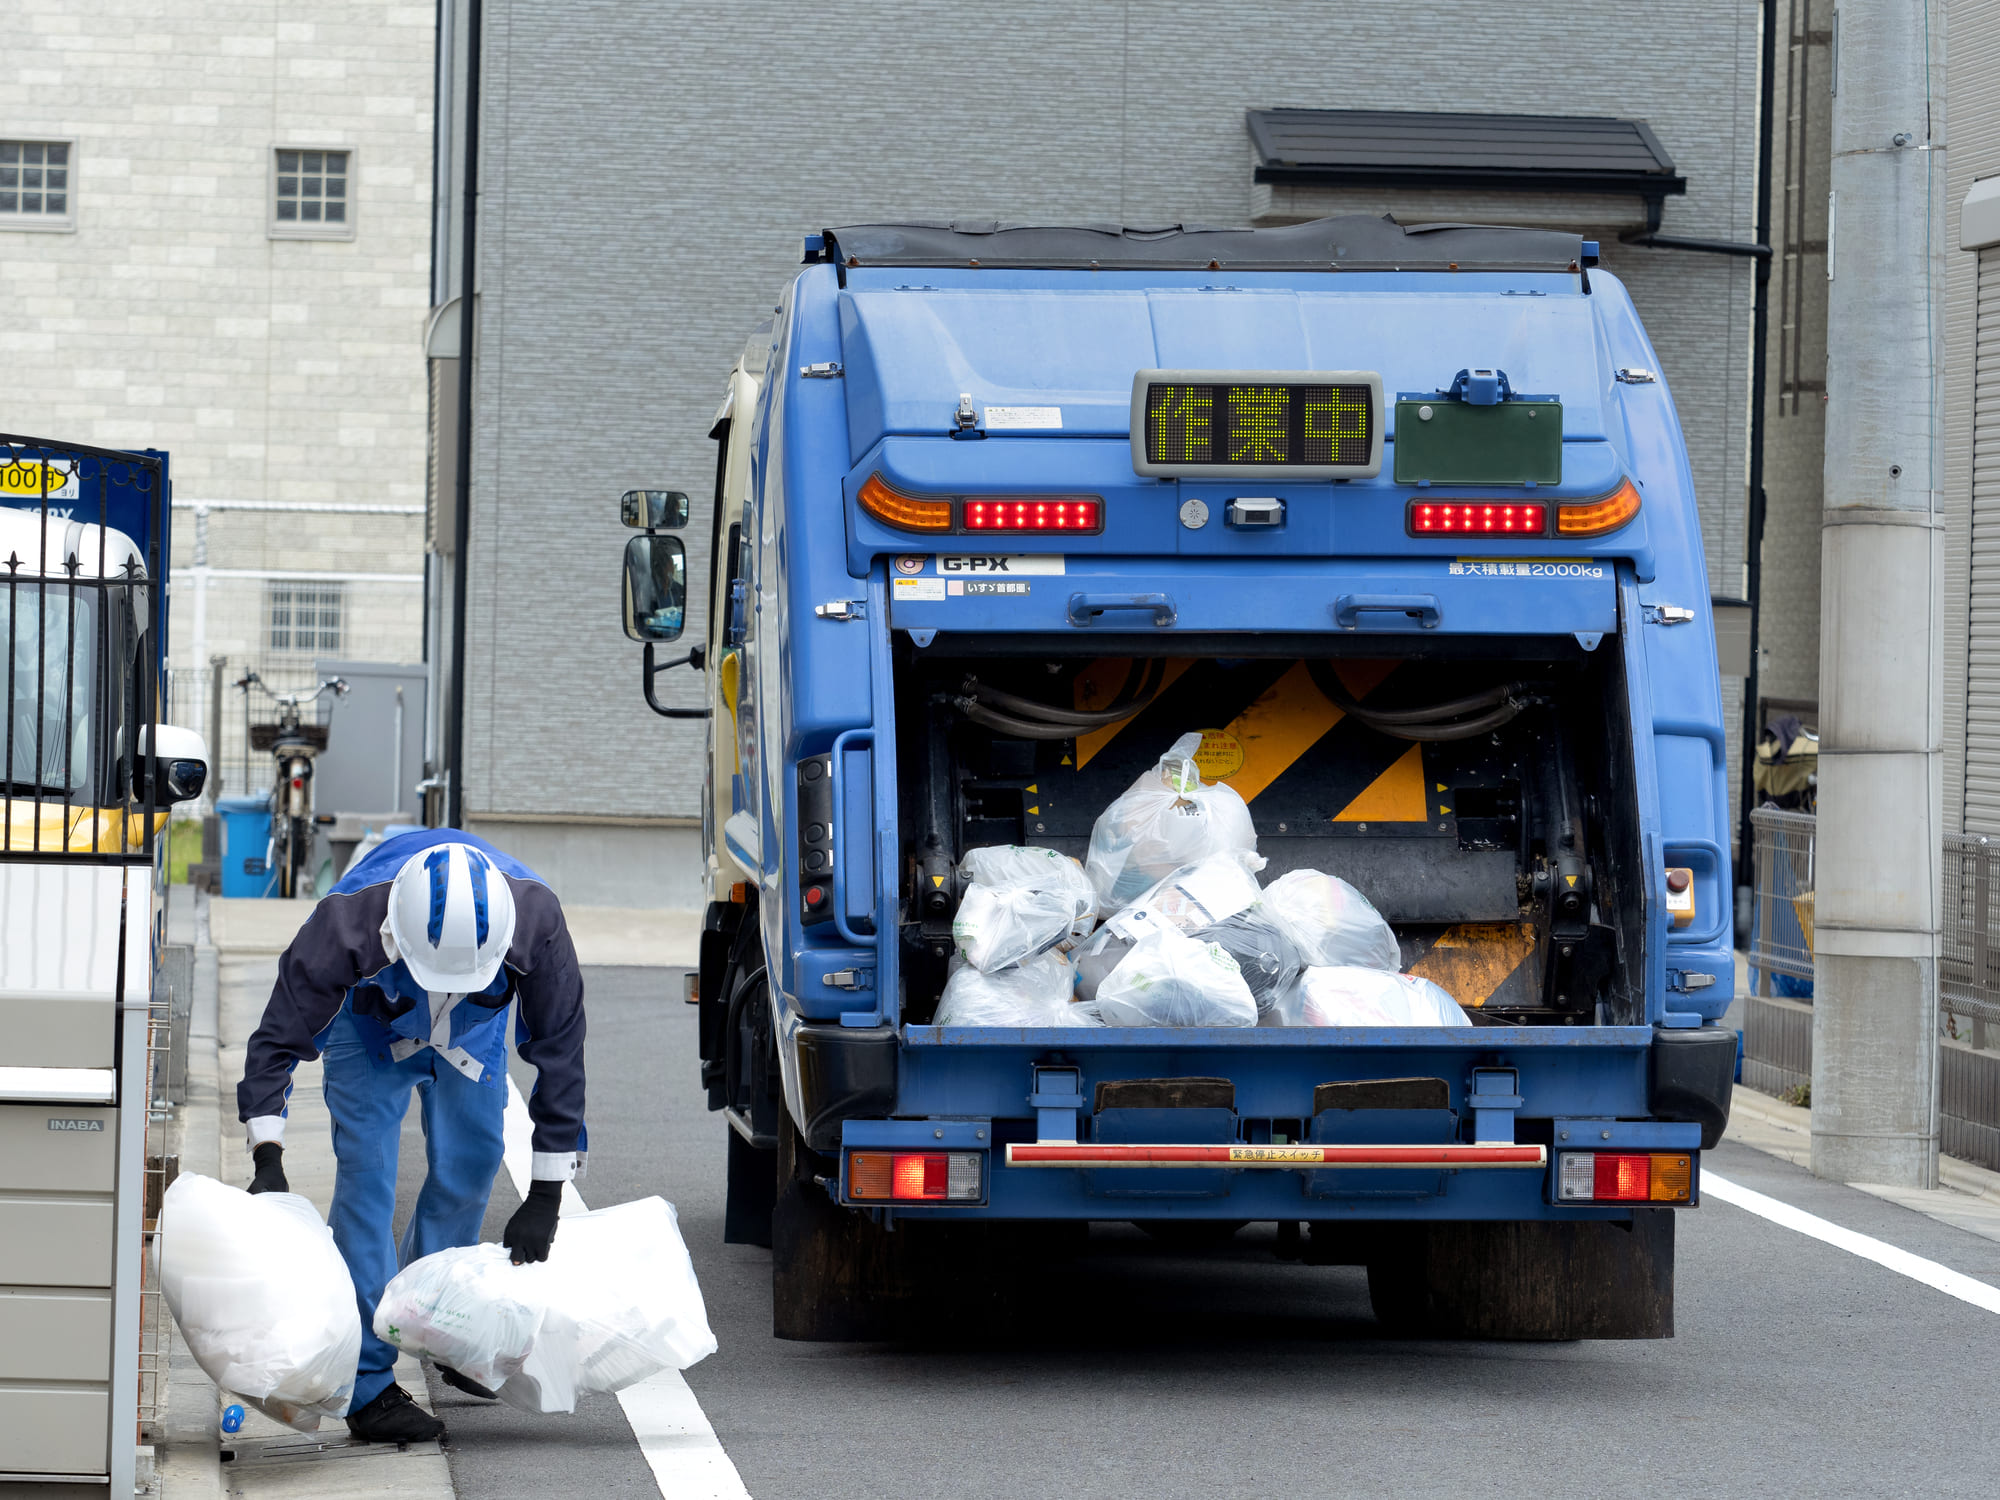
x: 1798, y: 1370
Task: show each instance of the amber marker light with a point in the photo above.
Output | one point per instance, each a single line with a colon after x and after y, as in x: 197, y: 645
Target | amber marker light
x: 1596, y: 517
x: 905, y: 512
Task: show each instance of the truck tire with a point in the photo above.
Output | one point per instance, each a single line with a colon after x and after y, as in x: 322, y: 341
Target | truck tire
x: 837, y: 1275
x: 749, y: 1194
x: 1534, y: 1280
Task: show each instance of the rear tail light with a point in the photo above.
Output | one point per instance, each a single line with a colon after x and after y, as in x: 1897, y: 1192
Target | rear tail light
x: 1033, y: 515
x: 1477, y: 518
x: 905, y: 512
x: 1623, y: 1177
x: 986, y: 515
x: 913, y: 1176
x: 1596, y: 517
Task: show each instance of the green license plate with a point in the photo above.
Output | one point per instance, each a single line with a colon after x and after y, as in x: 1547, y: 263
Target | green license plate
x: 1454, y: 442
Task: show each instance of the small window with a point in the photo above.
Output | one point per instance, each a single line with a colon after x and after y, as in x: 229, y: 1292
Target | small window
x: 305, y: 617
x: 35, y: 184
x: 311, y: 194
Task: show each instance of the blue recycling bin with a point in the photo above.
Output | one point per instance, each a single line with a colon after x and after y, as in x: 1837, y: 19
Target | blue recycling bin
x: 246, y: 846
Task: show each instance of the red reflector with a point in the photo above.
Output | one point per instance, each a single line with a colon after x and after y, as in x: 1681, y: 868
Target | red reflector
x: 297, y: 782
x: 1033, y: 515
x: 1622, y: 1179
x: 1480, y: 518
x: 920, y: 1174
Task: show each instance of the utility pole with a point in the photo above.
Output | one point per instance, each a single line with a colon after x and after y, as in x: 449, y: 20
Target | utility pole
x: 1875, y: 999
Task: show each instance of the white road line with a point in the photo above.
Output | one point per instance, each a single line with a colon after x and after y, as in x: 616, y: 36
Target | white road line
x: 1929, y: 1272
x: 687, y: 1460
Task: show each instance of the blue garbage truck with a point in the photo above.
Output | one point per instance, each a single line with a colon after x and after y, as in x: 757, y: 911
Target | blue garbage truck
x: 1399, y: 521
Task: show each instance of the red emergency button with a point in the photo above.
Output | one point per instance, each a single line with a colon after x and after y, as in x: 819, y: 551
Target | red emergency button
x: 815, y: 895
x: 1679, y: 880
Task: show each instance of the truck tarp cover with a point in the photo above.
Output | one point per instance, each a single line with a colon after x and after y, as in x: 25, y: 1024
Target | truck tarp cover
x: 1354, y: 242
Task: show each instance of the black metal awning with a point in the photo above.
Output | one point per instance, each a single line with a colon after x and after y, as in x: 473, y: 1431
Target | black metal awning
x: 1407, y: 148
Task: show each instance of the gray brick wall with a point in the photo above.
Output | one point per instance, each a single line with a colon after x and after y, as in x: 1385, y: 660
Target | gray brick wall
x: 650, y: 168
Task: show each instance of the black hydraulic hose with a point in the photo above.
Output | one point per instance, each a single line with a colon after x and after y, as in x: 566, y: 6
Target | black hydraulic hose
x: 1025, y: 729
x: 1122, y: 708
x: 1433, y: 723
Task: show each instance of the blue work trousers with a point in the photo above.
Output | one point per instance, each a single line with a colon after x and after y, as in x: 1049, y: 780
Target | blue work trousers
x: 462, y: 1122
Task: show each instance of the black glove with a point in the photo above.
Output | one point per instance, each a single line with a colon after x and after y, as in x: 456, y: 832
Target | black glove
x: 270, y: 1176
x: 533, y: 1226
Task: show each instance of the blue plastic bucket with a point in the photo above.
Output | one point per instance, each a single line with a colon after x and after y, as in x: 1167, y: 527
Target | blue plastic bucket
x: 246, y: 846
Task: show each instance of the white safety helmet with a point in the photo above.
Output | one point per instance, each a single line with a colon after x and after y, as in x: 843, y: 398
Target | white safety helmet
x: 451, y: 914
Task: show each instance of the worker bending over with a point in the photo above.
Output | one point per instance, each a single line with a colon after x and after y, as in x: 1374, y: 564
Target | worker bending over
x: 401, y: 978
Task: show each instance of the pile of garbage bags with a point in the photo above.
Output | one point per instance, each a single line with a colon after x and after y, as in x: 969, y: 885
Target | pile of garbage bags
x: 1187, y: 937
x: 615, y: 1302
x: 262, y: 1298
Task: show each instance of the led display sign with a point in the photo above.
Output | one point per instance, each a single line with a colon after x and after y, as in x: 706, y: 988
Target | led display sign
x: 1312, y: 424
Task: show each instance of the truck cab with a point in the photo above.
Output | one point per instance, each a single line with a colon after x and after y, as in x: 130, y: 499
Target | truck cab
x: 1398, y: 522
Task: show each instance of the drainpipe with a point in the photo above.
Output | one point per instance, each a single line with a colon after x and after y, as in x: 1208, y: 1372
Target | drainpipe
x: 462, y: 500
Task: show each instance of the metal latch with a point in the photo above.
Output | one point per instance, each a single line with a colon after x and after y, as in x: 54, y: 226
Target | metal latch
x: 1682, y: 981
x: 1636, y: 375
x: 826, y: 369
x: 1667, y: 614
x: 842, y: 609
x: 851, y: 979
x: 1248, y: 511
x: 965, y: 417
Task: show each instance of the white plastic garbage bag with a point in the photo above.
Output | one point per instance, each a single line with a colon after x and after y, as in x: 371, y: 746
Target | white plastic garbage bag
x: 1357, y: 996
x: 615, y: 1302
x: 465, y: 1307
x: 262, y: 1297
x: 1170, y: 979
x: 1168, y: 818
x: 1022, y: 901
x: 1331, y: 923
x: 622, y: 1304
x: 1036, y: 992
x: 1195, y: 896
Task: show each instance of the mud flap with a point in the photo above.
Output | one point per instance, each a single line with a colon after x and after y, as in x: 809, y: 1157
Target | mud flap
x: 1536, y: 1280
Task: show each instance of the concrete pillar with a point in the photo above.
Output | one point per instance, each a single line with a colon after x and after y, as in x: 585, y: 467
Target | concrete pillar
x: 1875, y: 1021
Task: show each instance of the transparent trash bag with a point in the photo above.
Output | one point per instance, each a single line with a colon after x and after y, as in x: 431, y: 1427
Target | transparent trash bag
x: 262, y: 1297
x: 1036, y: 992
x: 1267, y: 956
x: 1166, y: 819
x: 465, y: 1307
x: 1022, y: 901
x: 1170, y: 979
x: 1330, y: 922
x: 615, y: 1302
x: 1191, y: 898
x: 1355, y: 996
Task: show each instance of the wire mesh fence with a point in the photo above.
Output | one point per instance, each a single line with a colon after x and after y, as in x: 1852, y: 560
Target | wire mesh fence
x: 1781, y: 926
x: 1969, y: 956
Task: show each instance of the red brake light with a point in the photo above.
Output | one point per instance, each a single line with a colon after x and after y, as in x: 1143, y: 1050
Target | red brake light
x: 1621, y: 1178
x: 1032, y: 515
x: 1477, y: 518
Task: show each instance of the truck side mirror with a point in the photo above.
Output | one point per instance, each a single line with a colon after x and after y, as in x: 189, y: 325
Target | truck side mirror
x: 655, y: 588
x: 175, y: 761
x: 653, y: 510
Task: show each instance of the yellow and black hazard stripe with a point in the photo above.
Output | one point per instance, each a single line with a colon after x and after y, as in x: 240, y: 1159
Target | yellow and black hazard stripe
x: 1268, y: 729
x: 1484, y: 965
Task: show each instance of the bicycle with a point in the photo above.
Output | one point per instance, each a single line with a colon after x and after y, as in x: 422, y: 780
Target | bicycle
x: 293, y: 744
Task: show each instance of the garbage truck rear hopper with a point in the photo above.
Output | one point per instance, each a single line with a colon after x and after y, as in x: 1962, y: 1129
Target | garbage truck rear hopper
x: 1399, y: 523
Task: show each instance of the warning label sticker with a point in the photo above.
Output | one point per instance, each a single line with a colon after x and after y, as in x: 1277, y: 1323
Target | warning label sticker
x: 917, y: 590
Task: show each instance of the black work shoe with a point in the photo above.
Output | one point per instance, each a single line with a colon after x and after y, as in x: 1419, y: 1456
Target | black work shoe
x: 393, y: 1417
x: 465, y: 1383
